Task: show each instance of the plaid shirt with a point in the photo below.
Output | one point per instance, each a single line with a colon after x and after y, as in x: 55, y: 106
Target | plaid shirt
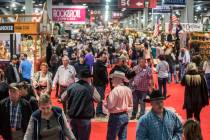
x: 142, y: 80
x: 15, y: 116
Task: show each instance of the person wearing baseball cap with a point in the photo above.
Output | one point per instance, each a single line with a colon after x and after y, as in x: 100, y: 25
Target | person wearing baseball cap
x: 158, y: 117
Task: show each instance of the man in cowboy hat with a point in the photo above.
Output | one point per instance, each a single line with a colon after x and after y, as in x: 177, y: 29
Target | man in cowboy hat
x: 119, y: 103
x: 159, y: 123
x: 81, y: 97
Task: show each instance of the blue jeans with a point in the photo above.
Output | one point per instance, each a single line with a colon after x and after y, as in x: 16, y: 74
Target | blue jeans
x: 81, y: 128
x: 101, y: 91
x: 182, y: 70
x: 117, y: 126
x: 172, y: 72
x: 207, y: 77
x: 138, y: 97
x: 162, y: 84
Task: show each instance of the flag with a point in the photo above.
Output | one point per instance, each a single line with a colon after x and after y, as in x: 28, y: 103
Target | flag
x: 174, y: 19
x: 152, y: 3
x: 157, y: 28
x: 170, y: 25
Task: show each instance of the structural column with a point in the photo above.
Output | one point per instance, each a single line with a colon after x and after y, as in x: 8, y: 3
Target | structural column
x: 49, y: 8
x: 189, y: 11
x: 139, y: 20
x: 29, y: 8
x: 145, y: 18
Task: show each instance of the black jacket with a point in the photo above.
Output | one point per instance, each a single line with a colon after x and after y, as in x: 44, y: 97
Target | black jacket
x: 4, y: 90
x: 80, y: 103
x: 10, y: 74
x: 125, y: 69
x: 5, y: 129
x: 78, y: 67
x: 100, y: 74
x: 196, y: 93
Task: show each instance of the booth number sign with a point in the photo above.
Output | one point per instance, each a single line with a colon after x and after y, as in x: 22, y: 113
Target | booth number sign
x: 6, y: 28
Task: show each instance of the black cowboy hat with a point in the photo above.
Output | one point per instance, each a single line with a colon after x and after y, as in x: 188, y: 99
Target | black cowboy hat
x: 155, y: 96
x: 85, y: 73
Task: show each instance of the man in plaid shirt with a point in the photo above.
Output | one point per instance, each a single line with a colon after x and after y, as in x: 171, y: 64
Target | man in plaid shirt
x: 142, y: 84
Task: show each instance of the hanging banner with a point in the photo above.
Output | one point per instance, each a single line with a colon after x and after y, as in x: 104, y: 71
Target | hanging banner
x: 152, y: 3
x: 131, y: 3
x: 117, y: 15
x: 7, y: 28
x: 86, y: 1
x: 162, y: 9
x: 71, y: 14
x: 174, y: 2
x: 187, y: 27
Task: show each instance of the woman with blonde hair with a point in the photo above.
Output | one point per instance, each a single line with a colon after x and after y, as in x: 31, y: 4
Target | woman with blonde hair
x: 42, y: 81
x: 48, y: 122
x: 196, y: 93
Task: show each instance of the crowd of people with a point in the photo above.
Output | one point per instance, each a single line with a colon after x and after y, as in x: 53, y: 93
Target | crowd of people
x: 81, y: 71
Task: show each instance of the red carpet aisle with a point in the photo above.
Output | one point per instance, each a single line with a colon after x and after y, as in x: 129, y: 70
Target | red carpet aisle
x: 175, y: 101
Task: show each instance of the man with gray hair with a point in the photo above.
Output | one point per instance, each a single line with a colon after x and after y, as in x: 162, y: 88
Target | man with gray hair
x: 65, y: 76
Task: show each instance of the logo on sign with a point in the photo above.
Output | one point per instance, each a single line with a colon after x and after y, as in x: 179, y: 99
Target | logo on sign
x: 7, y: 28
x: 66, y: 13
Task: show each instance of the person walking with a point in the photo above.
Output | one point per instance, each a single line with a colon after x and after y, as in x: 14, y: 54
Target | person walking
x: 163, y: 70
x: 100, y: 80
x: 48, y: 122
x: 80, y: 65
x: 142, y: 87
x: 15, y: 114
x: 159, y: 123
x: 196, y: 92
x: 206, y: 69
x: 42, y: 81
x: 25, y: 69
x: 65, y: 76
x: 89, y: 59
x: 81, y: 105
x: 119, y: 104
x: 12, y: 74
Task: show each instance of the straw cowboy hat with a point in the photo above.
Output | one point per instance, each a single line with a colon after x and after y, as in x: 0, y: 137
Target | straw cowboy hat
x: 119, y: 74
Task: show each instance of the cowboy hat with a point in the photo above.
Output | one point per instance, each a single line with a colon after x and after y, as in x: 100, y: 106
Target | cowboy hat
x: 119, y: 74
x: 85, y: 73
x: 155, y: 96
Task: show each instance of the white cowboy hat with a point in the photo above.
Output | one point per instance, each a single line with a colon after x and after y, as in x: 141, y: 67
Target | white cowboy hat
x: 119, y: 74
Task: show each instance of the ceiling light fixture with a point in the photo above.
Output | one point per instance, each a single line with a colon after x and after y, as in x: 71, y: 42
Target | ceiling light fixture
x: 40, y: 4
x: 84, y: 4
x: 13, y: 5
x: 199, y: 8
x: 24, y: 7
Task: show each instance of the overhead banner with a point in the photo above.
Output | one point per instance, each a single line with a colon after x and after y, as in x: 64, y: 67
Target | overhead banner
x: 162, y: 9
x: 7, y: 28
x: 187, y: 27
x: 174, y: 2
x: 117, y: 15
x: 71, y: 14
x: 86, y: 1
x: 131, y: 3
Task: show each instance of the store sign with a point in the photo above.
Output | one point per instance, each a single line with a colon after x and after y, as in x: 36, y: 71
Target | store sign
x: 7, y: 28
x: 162, y: 9
x: 26, y: 28
x: 72, y: 14
x: 131, y: 3
x: 187, y: 27
x: 86, y: 1
x: 174, y: 2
